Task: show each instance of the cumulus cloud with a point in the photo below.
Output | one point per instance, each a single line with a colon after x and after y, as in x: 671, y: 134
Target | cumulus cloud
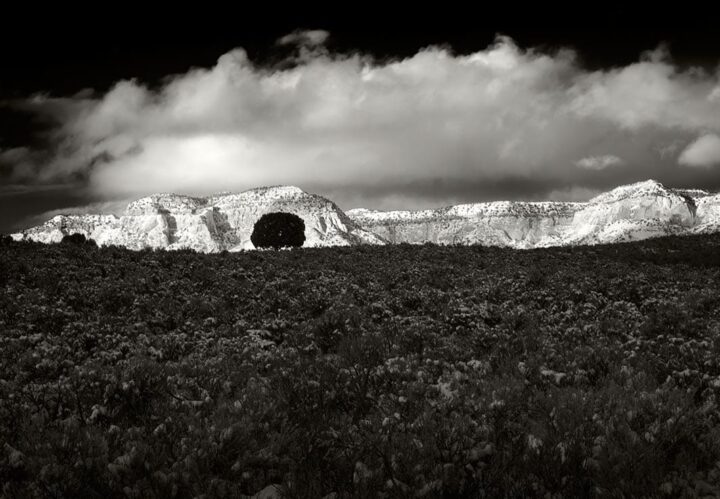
x: 714, y: 94
x: 703, y: 152
x: 333, y: 122
x: 305, y: 37
x: 598, y: 162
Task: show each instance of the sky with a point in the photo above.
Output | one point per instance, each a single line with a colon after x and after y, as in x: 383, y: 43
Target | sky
x: 401, y: 114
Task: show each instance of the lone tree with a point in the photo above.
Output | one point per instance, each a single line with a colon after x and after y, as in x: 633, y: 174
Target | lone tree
x: 278, y: 230
x: 79, y: 239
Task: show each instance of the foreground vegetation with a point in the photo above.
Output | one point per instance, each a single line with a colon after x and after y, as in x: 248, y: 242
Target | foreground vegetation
x: 404, y: 371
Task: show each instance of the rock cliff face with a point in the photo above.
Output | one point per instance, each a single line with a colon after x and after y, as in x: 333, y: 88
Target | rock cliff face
x: 633, y: 212
x: 516, y: 224
x: 627, y: 213
x: 216, y: 223
x: 225, y: 221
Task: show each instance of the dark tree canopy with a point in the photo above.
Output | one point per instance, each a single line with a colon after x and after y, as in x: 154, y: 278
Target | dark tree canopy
x: 278, y: 230
x: 77, y: 238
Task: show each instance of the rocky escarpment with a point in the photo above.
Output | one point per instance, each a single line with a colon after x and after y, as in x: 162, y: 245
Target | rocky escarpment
x: 707, y: 215
x: 504, y: 223
x: 211, y: 224
x: 631, y: 212
x: 225, y: 221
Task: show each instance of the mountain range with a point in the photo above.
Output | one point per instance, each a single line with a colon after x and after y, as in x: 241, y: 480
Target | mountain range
x: 225, y: 221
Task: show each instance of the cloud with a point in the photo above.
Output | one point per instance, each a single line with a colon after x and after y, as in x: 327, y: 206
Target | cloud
x: 670, y: 149
x: 334, y: 122
x: 573, y: 194
x: 598, y: 162
x: 714, y: 95
x: 703, y: 152
x: 652, y: 92
x: 15, y: 161
x: 101, y: 208
x: 22, y: 189
x: 305, y: 37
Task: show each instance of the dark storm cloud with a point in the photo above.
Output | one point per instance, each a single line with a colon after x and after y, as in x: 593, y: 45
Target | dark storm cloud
x: 439, y: 192
x: 433, y: 128
x: 22, y: 206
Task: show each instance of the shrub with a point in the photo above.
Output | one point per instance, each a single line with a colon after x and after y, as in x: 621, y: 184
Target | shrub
x: 78, y: 239
x: 278, y: 230
x: 348, y: 372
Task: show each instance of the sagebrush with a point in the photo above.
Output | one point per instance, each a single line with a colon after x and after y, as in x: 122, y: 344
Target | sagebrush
x: 400, y: 371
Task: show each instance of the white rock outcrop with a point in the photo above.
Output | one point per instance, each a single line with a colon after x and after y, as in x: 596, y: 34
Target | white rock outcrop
x: 212, y: 224
x: 225, y: 221
x: 627, y: 213
x: 503, y: 223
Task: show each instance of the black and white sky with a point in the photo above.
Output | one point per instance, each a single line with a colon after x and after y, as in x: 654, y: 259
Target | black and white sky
x: 378, y: 111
